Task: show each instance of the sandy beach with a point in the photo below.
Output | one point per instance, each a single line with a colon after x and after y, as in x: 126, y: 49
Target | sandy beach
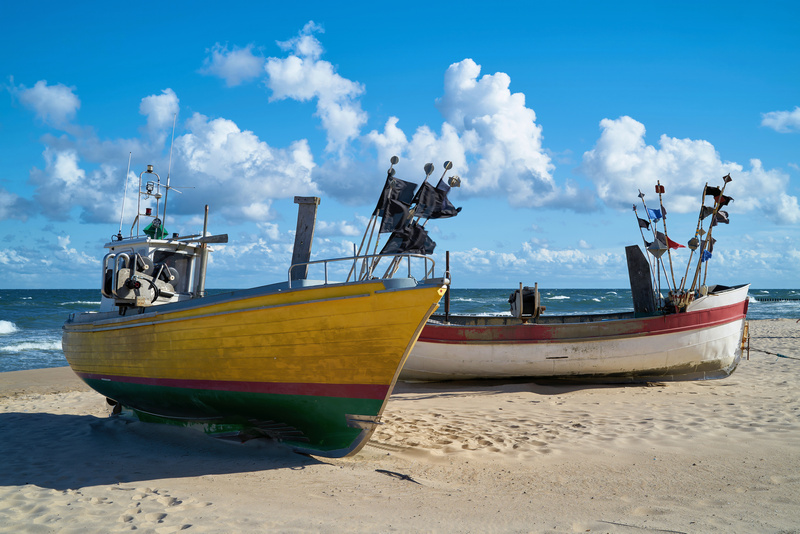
x: 511, y: 456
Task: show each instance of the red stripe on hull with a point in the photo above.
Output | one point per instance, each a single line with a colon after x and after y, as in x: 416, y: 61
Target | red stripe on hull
x: 350, y: 391
x: 562, y: 332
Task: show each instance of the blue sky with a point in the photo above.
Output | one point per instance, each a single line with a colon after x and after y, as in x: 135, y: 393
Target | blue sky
x: 553, y: 115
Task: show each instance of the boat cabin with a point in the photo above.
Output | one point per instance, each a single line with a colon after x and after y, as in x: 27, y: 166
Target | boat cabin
x: 141, y: 271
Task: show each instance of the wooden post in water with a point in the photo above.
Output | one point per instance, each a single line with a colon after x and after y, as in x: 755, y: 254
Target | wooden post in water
x: 304, y: 236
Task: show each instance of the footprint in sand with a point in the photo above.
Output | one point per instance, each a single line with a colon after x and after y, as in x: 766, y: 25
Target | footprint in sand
x: 156, y: 517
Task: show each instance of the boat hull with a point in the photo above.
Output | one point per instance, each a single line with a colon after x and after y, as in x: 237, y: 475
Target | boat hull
x: 313, y: 366
x: 702, y: 343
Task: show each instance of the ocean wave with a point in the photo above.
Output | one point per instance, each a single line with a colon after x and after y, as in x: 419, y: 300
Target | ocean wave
x: 558, y: 297
x: 32, y: 345
x: 80, y: 302
x: 7, y: 327
x: 597, y: 299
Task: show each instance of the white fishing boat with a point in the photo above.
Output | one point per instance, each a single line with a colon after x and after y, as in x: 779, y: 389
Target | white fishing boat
x: 696, y: 332
x: 702, y: 342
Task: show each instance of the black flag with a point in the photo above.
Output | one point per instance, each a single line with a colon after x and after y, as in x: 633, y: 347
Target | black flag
x: 713, y: 191
x: 723, y: 200
x: 720, y: 217
x: 432, y: 202
x: 395, y: 215
x: 394, y: 188
x: 445, y: 208
x: 411, y: 239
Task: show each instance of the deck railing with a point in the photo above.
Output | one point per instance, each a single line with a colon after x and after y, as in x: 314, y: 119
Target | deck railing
x: 364, y: 267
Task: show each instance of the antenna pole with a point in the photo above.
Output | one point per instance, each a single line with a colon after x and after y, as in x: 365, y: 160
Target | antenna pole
x: 169, y: 170
x: 124, y: 194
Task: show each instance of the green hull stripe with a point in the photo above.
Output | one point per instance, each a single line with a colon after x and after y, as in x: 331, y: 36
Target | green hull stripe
x: 311, y: 422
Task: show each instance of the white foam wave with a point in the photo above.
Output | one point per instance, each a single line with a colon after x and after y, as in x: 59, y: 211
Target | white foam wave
x: 7, y: 327
x: 597, y: 299
x: 558, y: 297
x: 80, y: 302
x: 32, y: 345
x: 487, y: 314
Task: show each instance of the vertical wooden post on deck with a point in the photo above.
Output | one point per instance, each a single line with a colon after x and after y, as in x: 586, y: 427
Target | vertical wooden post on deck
x: 304, y: 236
x: 641, y: 282
x: 449, y: 285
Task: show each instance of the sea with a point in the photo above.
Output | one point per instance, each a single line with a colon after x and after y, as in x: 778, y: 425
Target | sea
x: 31, y: 319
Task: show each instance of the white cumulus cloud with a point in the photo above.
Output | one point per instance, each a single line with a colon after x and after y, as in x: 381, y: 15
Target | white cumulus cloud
x: 782, y: 121
x: 234, y: 66
x: 489, y: 134
x: 622, y: 163
x: 160, y: 111
x: 64, y: 185
x: 241, y: 173
x: 337, y: 228
x: 13, y: 206
x: 53, y: 104
x: 303, y: 76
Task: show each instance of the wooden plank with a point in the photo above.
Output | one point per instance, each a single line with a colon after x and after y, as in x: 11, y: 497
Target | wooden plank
x: 304, y: 236
x: 641, y: 283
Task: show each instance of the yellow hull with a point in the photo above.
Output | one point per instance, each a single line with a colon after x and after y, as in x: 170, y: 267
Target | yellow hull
x: 243, y: 352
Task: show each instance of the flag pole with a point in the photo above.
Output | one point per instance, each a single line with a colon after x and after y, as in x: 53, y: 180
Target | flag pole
x: 651, y: 259
x: 697, y: 231
x: 660, y: 191
x: 654, y: 228
x: 652, y: 274
x: 704, y: 242
x: 717, y: 206
x: 428, y: 168
x: 370, y: 229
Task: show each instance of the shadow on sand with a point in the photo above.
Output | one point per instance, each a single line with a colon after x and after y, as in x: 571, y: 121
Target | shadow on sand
x: 70, y: 451
x: 418, y: 390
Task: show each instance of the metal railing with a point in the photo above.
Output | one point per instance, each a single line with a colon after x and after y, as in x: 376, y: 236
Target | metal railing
x: 106, y: 259
x: 369, y: 263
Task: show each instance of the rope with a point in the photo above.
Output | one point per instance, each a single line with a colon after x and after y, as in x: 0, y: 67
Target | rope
x: 776, y: 354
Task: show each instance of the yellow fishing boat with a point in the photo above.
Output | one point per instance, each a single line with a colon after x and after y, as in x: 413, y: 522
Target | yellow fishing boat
x: 311, y: 363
